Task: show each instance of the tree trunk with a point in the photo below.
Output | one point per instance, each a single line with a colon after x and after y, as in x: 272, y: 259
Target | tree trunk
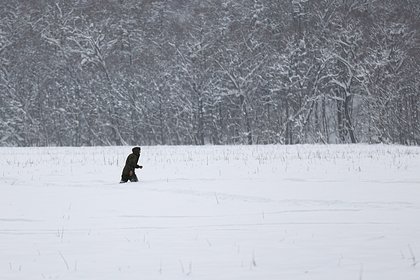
x: 349, y: 125
x: 200, y: 116
x: 247, y: 120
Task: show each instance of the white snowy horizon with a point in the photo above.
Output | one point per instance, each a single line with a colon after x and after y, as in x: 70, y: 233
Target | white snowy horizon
x: 211, y: 212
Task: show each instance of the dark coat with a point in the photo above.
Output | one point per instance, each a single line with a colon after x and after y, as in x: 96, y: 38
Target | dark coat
x: 131, y: 164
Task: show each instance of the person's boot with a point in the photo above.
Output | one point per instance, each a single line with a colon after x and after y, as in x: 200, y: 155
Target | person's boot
x: 134, y: 178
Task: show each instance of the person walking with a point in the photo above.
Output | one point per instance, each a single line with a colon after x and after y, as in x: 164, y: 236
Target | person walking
x: 130, y: 165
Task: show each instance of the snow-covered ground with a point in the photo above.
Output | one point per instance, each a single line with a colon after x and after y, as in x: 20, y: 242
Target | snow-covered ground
x: 244, y: 212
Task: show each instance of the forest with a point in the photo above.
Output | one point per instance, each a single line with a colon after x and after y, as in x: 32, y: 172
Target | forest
x: 219, y: 72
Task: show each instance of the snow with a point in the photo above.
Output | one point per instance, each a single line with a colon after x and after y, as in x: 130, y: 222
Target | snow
x: 225, y: 212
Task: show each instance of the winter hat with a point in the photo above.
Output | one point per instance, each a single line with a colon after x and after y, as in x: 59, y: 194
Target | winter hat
x: 136, y: 149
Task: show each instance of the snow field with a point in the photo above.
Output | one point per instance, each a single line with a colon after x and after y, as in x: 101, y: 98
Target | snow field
x: 212, y: 212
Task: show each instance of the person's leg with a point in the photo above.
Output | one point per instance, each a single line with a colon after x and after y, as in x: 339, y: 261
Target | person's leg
x: 134, y: 178
x: 124, y: 179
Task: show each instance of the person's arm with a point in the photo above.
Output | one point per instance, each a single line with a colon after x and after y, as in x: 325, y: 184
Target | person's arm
x: 132, y: 162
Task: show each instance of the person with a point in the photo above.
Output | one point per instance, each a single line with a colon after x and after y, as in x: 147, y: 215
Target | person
x: 130, y: 165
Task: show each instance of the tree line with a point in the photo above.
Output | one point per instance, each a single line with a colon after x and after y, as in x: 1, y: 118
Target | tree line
x: 173, y: 72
